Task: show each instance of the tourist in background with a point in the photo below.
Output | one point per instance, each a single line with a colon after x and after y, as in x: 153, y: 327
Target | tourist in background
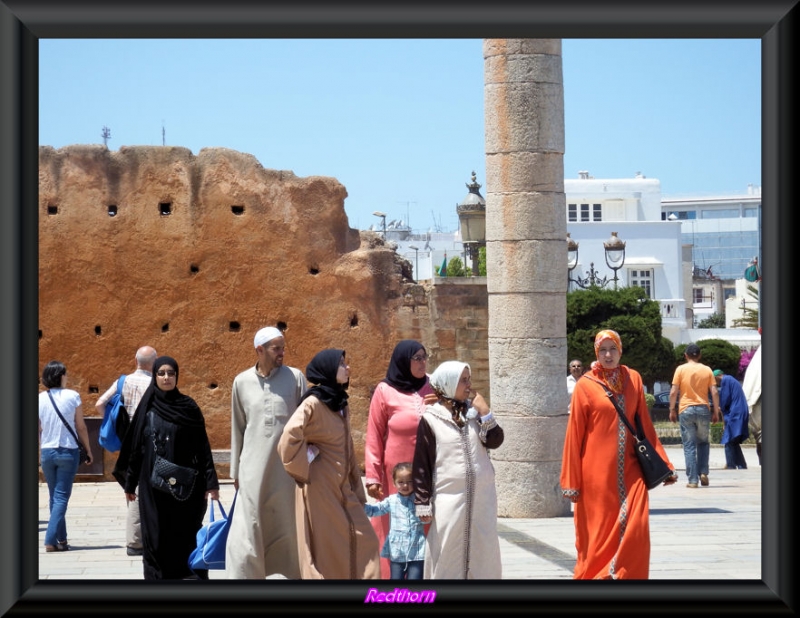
x: 168, y: 424
x: 394, y: 412
x: 693, y: 383
x: 600, y: 473
x: 59, y: 451
x: 335, y: 538
x: 133, y: 388
x: 454, y: 481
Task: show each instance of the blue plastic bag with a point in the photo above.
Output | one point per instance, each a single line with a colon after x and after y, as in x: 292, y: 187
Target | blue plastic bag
x: 211, y: 540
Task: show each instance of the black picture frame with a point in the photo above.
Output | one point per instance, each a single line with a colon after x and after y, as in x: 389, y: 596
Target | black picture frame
x: 24, y: 22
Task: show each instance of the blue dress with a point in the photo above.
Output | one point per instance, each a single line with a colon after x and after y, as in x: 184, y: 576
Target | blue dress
x: 734, y: 410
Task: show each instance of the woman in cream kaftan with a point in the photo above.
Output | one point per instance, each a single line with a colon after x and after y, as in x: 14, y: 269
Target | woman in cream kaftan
x: 600, y: 472
x: 454, y: 480
x: 334, y: 535
x: 394, y: 413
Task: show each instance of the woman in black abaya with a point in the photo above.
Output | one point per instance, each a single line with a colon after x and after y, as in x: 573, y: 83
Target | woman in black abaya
x: 170, y: 423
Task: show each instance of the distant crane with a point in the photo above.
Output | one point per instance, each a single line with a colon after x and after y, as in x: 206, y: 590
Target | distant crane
x: 106, y: 135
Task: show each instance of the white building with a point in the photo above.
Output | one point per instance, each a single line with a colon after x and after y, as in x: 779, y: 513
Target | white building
x: 659, y: 256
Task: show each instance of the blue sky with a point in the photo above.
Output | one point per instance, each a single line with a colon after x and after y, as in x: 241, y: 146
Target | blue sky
x: 399, y: 122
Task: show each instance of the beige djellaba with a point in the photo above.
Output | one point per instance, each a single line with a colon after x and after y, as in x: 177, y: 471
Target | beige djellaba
x: 335, y: 537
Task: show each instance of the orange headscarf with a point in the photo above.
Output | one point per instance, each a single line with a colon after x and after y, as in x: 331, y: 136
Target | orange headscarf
x: 610, y: 377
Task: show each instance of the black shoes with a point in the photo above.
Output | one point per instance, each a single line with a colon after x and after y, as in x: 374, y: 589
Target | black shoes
x: 132, y: 551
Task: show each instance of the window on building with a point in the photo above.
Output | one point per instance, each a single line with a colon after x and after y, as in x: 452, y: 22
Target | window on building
x: 697, y: 296
x: 642, y: 278
x: 681, y: 215
x: 723, y: 213
x: 750, y: 212
x: 584, y: 212
x: 572, y: 213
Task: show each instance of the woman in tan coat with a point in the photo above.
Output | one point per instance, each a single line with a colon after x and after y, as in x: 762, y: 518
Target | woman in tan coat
x: 334, y: 535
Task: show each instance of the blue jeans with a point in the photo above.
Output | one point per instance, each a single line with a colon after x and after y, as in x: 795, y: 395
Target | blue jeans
x: 59, y: 466
x: 406, y: 570
x: 695, y: 422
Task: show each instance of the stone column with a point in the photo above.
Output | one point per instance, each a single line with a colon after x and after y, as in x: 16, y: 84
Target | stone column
x: 526, y: 259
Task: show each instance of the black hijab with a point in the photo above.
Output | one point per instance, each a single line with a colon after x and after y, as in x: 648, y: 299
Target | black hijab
x: 172, y: 406
x: 321, y: 372
x: 399, y: 373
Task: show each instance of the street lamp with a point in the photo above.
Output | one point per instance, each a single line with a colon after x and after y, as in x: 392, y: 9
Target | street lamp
x: 615, y: 258
x: 382, y: 215
x: 615, y: 254
x: 472, y: 218
x: 416, y: 261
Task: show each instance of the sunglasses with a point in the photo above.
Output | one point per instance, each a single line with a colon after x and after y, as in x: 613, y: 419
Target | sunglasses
x: 166, y: 372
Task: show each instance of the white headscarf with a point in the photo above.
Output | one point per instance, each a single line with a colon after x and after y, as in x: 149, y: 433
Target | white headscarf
x: 445, y: 379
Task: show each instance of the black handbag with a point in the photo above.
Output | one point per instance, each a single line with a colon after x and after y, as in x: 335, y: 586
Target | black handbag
x: 172, y: 478
x: 83, y: 454
x: 654, y: 469
x: 169, y: 477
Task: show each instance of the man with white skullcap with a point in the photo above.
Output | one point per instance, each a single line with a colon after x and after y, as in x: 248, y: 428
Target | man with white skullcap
x: 263, y: 540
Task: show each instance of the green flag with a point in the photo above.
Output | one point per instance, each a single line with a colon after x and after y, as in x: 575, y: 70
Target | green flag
x: 443, y: 269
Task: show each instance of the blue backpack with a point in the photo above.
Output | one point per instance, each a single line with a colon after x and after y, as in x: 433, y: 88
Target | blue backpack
x: 110, y: 438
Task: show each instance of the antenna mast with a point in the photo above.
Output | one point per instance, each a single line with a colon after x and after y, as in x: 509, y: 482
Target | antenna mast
x: 106, y: 135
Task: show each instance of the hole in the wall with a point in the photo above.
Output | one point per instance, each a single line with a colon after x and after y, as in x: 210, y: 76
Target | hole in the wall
x: 52, y: 210
x: 165, y: 328
x: 40, y: 334
x: 194, y: 269
x: 112, y: 210
x: 234, y: 327
x: 212, y: 386
x: 165, y: 208
x: 98, y: 330
x: 281, y: 326
x: 93, y: 390
x: 353, y: 320
x: 313, y: 270
x: 237, y: 210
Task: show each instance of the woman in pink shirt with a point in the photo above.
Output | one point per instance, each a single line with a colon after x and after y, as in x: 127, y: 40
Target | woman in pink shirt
x: 394, y: 412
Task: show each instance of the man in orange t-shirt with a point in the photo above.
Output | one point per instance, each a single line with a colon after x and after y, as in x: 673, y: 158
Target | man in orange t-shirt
x: 694, y: 383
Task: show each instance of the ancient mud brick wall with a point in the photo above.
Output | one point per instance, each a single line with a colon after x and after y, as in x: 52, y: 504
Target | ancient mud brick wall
x: 194, y: 253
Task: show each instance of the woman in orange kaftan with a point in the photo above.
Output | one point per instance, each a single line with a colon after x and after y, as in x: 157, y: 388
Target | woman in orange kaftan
x: 600, y: 472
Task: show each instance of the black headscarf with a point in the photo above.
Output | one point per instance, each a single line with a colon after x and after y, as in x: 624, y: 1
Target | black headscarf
x: 399, y: 373
x: 172, y: 406
x: 321, y: 372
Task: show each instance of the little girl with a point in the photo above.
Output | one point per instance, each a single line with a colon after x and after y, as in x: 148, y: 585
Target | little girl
x: 405, y: 543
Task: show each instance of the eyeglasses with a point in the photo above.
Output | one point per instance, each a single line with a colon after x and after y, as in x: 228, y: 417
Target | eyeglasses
x: 166, y: 372
x: 576, y: 366
x: 420, y: 358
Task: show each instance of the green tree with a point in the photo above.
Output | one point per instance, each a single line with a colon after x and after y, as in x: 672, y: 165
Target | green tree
x: 634, y: 316
x: 716, y: 320
x: 455, y: 267
x: 482, y: 261
x: 749, y: 318
x: 716, y: 353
